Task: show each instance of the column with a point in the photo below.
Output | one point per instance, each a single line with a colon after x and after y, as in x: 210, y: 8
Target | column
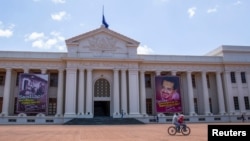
x: 190, y: 94
x: 248, y: 82
x: 240, y: 92
x: 116, y: 93
x: 59, y: 108
x: 228, y: 91
x: 70, y: 96
x: 158, y: 73
x: 26, y: 70
x: 205, y: 93
x: 173, y: 73
x: 124, y: 92
x: 43, y: 71
x: 221, y: 101
x: 133, y: 93
x: 89, y: 97
x: 143, y: 93
x: 81, y: 92
x: 6, y: 93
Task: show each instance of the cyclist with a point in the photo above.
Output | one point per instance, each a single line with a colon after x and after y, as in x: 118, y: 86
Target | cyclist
x: 175, y: 121
x: 181, y: 121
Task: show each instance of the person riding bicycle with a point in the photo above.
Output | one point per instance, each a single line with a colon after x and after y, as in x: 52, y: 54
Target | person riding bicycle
x: 181, y: 121
x: 175, y: 121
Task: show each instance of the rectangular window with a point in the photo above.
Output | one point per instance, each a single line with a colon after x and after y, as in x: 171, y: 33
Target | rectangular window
x: 148, y: 80
x: 52, y: 106
x: 208, y: 82
x: 53, y: 79
x: 149, y: 106
x: 246, y: 100
x: 243, y: 77
x: 195, y: 105
x: 2, y: 79
x: 236, y: 103
x: 232, y: 74
x: 193, y: 81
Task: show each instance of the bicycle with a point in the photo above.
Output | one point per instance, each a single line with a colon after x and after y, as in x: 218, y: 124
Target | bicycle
x: 172, y: 130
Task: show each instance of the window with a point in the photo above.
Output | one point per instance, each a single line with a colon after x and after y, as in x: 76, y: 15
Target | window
x: 246, y: 100
x: 102, y: 88
x: 148, y: 80
x: 2, y: 78
x: 193, y: 81
x: 195, y: 105
x: 149, y: 106
x: 208, y: 83
x: 53, y: 79
x: 233, y: 80
x: 52, y: 106
x: 243, y: 77
x: 236, y: 103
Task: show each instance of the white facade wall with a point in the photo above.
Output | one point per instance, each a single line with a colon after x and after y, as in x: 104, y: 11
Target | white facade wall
x: 105, y: 54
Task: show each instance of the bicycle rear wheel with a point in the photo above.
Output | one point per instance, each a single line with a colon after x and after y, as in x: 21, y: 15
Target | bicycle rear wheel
x: 186, y: 132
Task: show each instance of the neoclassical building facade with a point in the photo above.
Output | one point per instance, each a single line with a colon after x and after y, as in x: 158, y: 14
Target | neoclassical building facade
x: 101, y: 74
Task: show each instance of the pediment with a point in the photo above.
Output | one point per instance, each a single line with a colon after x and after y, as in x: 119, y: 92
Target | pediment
x: 102, y: 30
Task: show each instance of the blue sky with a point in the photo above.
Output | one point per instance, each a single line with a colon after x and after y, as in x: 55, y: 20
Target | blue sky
x: 166, y: 27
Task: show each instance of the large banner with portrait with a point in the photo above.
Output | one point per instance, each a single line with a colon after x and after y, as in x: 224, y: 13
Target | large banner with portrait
x: 32, y: 96
x: 168, y: 96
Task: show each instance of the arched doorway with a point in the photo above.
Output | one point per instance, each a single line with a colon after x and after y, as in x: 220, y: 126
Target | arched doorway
x: 101, y: 94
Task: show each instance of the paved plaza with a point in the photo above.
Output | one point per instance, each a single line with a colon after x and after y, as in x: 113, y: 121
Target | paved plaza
x: 147, y: 132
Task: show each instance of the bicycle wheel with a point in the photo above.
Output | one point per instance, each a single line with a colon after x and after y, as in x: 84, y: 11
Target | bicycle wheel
x: 186, y: 132
x: 171, y: 130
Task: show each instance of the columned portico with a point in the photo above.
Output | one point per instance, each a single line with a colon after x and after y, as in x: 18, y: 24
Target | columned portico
x: 190, y: 94
x: 228, y: 91
x: 59, y: 111
x: 221, y: 100
x: 124, y: 92
x: 70, y: 96
x: 133, y: 92
x: 205, y: 93
x: 116, y: 94
x: 143, y: 93
x: 89, y: 94
x: 6, y: 93
x: 81, y: 93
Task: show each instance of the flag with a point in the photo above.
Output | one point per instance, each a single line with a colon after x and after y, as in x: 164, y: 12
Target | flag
x: 104, y: 22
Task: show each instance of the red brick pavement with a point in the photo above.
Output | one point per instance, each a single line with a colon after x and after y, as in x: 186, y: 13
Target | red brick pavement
x: 147, y: 132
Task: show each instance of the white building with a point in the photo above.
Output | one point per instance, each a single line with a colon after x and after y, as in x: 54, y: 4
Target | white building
x: 102, y: 75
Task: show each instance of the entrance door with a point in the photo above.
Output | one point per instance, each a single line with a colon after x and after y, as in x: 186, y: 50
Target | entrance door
x: 101, y: 108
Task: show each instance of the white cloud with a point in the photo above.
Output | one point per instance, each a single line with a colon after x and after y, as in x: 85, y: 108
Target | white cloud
x: 238, y: 2
x: 60, y: 16
x: 6, y: 32
x: 59, y: 1
x: 144, y: 50
x: 34, y: 36
x: 191, y: 12
x: 53, y: 41
x: 212, y: 10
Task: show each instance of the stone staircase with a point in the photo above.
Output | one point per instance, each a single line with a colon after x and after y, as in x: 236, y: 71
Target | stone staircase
x: 103, y: 121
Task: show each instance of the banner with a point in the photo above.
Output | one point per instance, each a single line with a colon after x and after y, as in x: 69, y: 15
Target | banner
x: 167, y: 94
x: 32, y: 96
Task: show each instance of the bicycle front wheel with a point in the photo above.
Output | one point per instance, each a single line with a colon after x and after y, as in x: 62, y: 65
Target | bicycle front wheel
x: 171, y: 130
